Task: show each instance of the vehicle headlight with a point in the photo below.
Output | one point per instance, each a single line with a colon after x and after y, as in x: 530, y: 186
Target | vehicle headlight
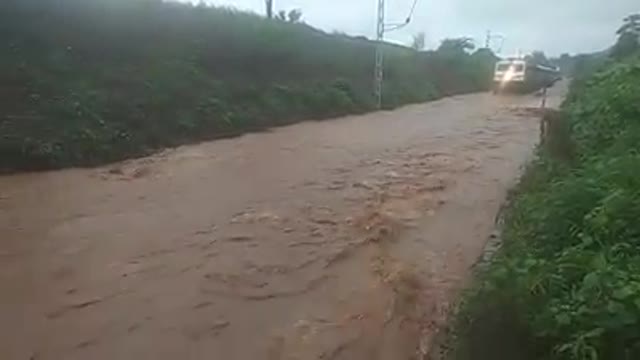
x: 508, y: 76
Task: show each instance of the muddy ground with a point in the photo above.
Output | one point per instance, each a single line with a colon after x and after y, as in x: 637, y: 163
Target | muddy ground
x: 342, y: 239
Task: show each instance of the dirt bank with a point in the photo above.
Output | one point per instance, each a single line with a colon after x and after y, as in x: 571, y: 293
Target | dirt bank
x: 332, y: 240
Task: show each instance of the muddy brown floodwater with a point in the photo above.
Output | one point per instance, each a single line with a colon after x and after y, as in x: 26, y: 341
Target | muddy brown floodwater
x: 342, y: 239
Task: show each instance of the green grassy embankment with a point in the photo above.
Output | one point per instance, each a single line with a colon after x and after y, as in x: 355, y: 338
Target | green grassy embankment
x: 84, y: 82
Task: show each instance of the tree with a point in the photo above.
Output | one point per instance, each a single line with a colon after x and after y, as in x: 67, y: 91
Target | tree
x: 269, y: 6
x: 626, y: 45
x: 485, y: 55
x: 483, y: 61
x: 457, y: 45
x: 295, y: 15
x: 418, y: 42
x: 631, y: 24
x: 628, y: 38
x: 565, y: 62
x: 538, y: 57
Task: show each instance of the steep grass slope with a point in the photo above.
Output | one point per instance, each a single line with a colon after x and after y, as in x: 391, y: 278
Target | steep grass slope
x: 84, y: 82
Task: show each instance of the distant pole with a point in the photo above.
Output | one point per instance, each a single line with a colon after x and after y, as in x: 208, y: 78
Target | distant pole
x: 269, y: 5
x: 379, y: 69
x: 489, y: 39
x: 499, y: 50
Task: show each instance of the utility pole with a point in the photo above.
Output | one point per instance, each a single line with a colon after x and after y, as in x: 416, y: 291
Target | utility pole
x: 487, y: 43
x: 381, y: 28
x: 269, y: 6
x: 379, y: 68
x: 490, y: 37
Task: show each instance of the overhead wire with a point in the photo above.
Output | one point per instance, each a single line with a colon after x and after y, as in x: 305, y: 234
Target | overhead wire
x: 397, y: 26
x: 413, y: 8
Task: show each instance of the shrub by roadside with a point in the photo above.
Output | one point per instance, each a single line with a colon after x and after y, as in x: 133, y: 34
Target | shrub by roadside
x: 566, y: 283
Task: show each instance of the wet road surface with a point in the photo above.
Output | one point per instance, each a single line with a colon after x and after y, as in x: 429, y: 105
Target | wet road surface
x: 342, y: 239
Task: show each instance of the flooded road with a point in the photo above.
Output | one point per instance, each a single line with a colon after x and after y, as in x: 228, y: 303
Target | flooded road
x: 343, y: 239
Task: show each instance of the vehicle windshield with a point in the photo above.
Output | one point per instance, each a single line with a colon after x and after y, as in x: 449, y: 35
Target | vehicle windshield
x: 506, y: 66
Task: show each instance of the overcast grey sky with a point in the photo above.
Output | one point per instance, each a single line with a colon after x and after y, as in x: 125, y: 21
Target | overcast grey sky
x: 554, y: 26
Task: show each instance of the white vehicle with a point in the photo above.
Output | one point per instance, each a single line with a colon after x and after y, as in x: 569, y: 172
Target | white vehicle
x: 510, y: 71
x: 517, y: 74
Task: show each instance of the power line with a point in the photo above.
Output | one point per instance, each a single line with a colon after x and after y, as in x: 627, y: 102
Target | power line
x: 413, y: 8
x: 396, y: 26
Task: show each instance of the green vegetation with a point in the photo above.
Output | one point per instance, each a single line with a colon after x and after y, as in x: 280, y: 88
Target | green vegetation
x: 85, y: 82
x: 566, y: 283
x: 581, y: 66
x: 628, y: 38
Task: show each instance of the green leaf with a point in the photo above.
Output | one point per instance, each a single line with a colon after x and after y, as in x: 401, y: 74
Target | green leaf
x: 623, y: 293
x: 591, y: 281
x: 563, y: 319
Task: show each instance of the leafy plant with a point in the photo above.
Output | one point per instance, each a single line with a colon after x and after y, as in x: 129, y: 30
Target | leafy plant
x: 569, y: 268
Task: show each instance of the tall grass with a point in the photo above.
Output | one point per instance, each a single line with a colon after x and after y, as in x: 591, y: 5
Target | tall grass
x: 84, y: 82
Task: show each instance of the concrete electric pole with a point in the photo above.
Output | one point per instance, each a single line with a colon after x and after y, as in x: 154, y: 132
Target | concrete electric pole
x: 381, y: 28
x: 269, y: 6
x: 490, y: 37
x: 379, y: 68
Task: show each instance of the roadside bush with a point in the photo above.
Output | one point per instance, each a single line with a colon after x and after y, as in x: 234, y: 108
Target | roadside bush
x: 569, y: 268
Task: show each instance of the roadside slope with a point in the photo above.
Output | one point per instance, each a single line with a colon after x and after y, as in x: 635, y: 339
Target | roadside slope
x: 91, y: 82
